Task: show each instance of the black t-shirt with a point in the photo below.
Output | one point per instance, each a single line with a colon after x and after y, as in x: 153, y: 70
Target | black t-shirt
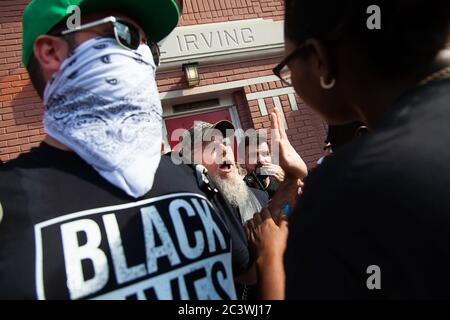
x: 380, y: 202
x: 69, y: 234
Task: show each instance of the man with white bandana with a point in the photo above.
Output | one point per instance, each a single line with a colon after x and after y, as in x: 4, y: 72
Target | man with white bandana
x: 93, y: 212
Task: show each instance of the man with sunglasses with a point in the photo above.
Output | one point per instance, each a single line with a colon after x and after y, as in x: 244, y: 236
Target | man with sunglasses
x: 93, y: 212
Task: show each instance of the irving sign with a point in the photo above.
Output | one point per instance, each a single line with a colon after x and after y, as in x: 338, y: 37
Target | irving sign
x: 186, y: 44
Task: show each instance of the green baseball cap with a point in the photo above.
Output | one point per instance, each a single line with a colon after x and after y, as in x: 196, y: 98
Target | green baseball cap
x: 157, y: 17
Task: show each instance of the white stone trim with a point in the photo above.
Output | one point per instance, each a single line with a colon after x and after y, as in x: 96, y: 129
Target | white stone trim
x: 211, y: 61
x: 293, y: 102
x: 262, y: 107
x: 270, y: 93
x: 236, y: 122
x: 277, y: 103
x: 172, y: 115
x: 220, y: 87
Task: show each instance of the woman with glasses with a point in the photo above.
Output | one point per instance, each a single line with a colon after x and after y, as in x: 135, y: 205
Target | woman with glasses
x: 374, y: 219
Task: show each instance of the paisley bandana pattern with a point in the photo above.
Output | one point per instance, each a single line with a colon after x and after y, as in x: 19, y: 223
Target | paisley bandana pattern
x: 104, y: 105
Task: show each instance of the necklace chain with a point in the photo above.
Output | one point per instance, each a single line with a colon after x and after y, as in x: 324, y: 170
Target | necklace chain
x: 441, y: 74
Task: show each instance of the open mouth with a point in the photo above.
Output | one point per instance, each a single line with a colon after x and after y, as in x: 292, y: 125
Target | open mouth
x: 226, y: 167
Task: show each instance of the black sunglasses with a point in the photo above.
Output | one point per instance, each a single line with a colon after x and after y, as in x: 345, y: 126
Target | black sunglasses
x: 282, y: 70
x: 126, y: 34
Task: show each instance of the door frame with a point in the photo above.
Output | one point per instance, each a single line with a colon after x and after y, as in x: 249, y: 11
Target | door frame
x: 231, y: 109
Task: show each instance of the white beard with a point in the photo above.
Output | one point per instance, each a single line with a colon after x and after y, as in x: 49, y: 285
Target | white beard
x: 239, y: 195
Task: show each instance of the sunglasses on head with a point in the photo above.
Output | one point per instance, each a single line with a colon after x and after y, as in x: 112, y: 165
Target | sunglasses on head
x: 127, y: 35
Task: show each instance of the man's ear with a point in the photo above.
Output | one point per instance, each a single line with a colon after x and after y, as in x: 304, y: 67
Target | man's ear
x: 320, y: 58
x: 50, y: 52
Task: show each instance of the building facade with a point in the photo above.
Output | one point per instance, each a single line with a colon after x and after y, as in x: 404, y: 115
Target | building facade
x: 216, y: 65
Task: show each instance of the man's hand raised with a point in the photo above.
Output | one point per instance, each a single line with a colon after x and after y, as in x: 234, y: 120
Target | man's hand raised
x: 289, y: 159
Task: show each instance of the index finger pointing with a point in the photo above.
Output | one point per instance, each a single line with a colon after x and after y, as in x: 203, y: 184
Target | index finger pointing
x: 274, y: 125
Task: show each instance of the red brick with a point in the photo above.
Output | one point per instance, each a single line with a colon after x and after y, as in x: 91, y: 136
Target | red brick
x: 13, y: 48
x: 15, y: 155
x: 272, y: 86
x: 35, y: 125
x: 11, y: 25
x: 18, y: 70
x: 34, y: 112
x: 14, y: 59
x: 5, y: 98
x: 9, y: 78
x: 19, y: 103
x: 7, y: 55
x: 9, y: 150
x: 10, y: 116
x: 37, y: 138
x: 4, y: 85
x: 20, y: 83
x: 18, y: 142
x: 22, y: 102
x: 11, y: 90
x: 28, y: 133
x: 8, y: 42
x: 5, y: 31
x: 14, y: 128
x: 9, y: 136
x: 10, y: 36
x: 28, y: 120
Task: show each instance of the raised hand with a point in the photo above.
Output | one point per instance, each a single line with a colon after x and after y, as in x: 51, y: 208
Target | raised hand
x: 289, y: 159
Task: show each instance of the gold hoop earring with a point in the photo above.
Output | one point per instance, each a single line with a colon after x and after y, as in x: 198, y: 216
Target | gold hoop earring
x: 327, y: 86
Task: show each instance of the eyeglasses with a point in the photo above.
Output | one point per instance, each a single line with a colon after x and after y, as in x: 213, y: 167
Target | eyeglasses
x: 282, y: 70
x: 127, y: 35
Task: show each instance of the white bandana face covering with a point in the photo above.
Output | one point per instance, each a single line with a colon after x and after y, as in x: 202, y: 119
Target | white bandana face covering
x: 104, y: 105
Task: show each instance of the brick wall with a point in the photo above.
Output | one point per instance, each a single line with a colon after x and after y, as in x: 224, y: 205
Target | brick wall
x: 306, y: 130
x: 209, y: 11
x: 21, y: 108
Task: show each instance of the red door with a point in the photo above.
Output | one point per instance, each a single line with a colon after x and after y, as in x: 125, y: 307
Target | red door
x: 188, y: 121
